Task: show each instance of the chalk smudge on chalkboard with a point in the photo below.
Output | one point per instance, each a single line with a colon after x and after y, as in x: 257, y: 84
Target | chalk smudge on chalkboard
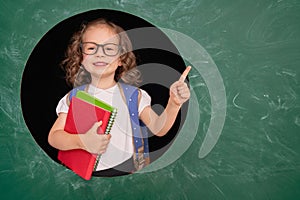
x: 267, y: 136
x: 38, y: 16
x: 218, y: 188
x: 237, y: 106
x: 9, y: 109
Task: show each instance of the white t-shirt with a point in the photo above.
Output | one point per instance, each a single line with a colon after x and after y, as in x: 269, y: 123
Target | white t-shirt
x: 120, y: 147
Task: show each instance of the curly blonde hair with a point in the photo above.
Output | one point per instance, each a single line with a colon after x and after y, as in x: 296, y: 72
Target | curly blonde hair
x: 77, y: 75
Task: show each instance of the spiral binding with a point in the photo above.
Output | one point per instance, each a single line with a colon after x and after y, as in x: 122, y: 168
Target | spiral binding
x: 111, y: 121
x: 107, y: 131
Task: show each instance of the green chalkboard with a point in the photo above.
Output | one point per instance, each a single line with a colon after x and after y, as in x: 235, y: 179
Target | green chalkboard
x: 240, y: 138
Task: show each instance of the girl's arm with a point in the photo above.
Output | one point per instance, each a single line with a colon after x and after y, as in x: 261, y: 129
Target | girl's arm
x: 179, y: 93
x: 90, y: 141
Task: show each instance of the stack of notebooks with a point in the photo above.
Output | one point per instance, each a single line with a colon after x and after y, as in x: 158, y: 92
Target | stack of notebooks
x: 84, y: 111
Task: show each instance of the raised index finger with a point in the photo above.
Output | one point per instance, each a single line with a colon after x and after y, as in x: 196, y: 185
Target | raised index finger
x: 184, y: 74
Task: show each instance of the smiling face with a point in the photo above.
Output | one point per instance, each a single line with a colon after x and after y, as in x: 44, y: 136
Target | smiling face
x: 100, y: 65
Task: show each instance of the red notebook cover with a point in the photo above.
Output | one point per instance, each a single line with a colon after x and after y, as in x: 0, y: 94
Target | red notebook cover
x: 81, y: 117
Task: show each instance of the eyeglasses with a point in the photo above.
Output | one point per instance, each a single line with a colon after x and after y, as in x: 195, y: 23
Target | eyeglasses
x: 109, y: 49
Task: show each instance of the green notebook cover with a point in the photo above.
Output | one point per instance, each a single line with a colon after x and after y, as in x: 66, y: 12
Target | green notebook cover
x: 93, y: 100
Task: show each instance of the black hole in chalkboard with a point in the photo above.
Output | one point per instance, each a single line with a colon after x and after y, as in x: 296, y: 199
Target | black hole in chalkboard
x: 43, y: 83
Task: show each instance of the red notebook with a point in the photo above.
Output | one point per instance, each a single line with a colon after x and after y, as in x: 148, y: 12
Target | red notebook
x: 81, y: 117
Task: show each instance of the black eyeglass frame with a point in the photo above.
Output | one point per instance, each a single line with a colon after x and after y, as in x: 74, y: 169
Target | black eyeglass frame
x: 102, y: 46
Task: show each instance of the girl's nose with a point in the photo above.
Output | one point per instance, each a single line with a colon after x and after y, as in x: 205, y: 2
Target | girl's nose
x: 100, y: 52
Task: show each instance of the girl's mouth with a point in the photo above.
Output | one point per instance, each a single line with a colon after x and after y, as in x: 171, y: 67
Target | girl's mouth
x: 100, y: 64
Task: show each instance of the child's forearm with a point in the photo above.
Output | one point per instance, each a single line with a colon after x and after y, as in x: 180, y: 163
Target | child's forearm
x: 62, y: 140
x: 89, y: 141
x: 165, y: 121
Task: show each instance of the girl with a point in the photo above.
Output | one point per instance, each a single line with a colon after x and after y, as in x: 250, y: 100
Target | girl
x: 100, y: 54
